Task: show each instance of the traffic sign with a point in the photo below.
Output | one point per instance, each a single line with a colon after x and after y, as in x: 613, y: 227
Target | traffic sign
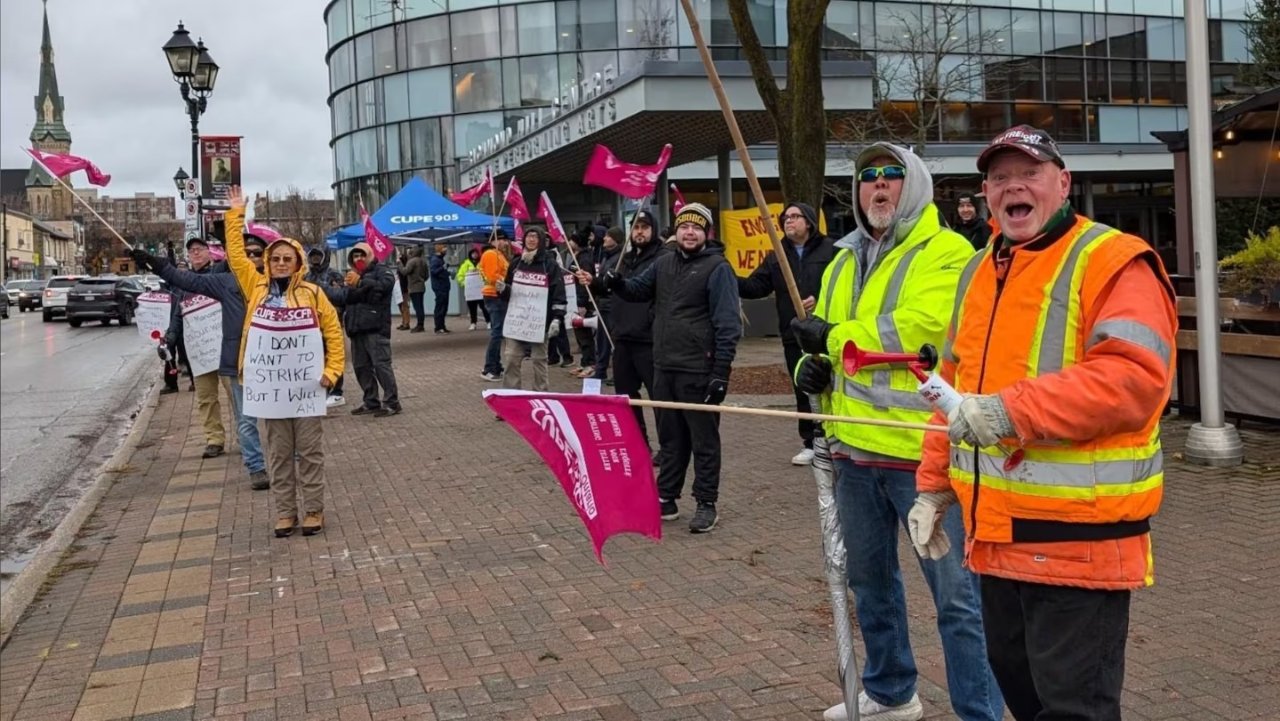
x: 192, y: 189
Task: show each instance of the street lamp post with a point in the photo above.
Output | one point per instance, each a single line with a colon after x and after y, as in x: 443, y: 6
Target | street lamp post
x: 196, y: 73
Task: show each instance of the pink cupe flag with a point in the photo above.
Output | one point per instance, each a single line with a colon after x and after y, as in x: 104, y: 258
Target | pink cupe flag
x: 595, y: 449
x: 547, y: 212
x: 626, y: 179
x: 63, y: 165
x: 379, y: 243
x: 514, y: 199
x: 679, y: 201
x: 472, y: 194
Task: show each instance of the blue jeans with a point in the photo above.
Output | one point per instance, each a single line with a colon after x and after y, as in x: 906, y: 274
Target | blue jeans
x: 246, y: 428
x: 493, y: 354
x: 873, y: 503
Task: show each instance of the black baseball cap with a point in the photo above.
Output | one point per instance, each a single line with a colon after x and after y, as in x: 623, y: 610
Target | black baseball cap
x: 645, y: 216
x: 1034, y: 142
x: 197, y: 239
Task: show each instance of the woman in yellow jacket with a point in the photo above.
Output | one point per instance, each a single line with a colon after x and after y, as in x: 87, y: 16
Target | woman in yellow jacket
x: 288, y: 438
x: 472, y: 265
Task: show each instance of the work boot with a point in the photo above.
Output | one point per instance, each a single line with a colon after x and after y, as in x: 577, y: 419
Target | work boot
x: 285, y: 526
x: 669, y: 510
x: 213, y: 450
x: 871, y: 710
x: 418, y: 329
x: 313, y: 524
x: 704, y: 519
x: 365, y: 410
x: 385, y: 411
x: 258, y: 481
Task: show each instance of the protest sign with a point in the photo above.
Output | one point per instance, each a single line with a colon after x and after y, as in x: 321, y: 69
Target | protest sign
x: 746, y: 242
x: 152, y: 315
x: 202, y: 332
x: 527, y: 310
x: 473, y: 286
x: 283, y: 364
x: 595, y: 449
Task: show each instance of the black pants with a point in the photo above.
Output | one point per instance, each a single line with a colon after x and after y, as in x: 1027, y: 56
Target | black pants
x: 442, y: 308
x: 687, y: 433
x: 477, y: 305
x: 633, y: 368
x: 371, y: 359
x: 336, y: 390
x: 586, y: 347
x: 602, y: 354
x: 1057, y: 651
x: 558, y: 349
x: 792, y: 353
x: 419, y: 307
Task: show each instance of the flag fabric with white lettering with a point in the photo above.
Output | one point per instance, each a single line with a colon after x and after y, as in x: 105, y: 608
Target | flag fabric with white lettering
x: 626, y: 179
x: 514, y: 199
x: 595, y: 449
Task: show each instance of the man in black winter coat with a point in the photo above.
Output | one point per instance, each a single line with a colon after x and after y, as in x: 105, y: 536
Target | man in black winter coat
x: 330, y: 281
x: 696, y: 328
x: 808, y: 252
x: 367, y: 319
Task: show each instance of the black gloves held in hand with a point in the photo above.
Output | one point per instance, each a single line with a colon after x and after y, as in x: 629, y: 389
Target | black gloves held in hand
x: 717, y: 389
x: 811, y: 334
x: 813, y: 374
x: 145, y: 260
x: 612, y: 280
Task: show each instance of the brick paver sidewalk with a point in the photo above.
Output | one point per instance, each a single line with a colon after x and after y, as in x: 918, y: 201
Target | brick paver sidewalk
x: 454, y: 581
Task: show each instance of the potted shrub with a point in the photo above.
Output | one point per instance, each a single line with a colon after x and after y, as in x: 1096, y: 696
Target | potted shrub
x: 1253, y: 274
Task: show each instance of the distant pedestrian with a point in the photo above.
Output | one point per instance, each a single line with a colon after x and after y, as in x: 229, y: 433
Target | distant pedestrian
x: 441, y: 284
x: 493, y: 271
x: 415, y: 273
x: 970, y: 223
x: 403, y: 282
x: 471, y: 264
x: 534, y: 277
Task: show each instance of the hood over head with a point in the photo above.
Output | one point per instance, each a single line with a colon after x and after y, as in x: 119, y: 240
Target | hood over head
x: 917, y: 187
x: 365, y: 248
x: 297, y: 249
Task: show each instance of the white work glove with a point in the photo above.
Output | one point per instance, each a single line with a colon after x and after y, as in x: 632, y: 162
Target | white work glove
x: 553, y: 330
x: 500, y: 286
x: 924, y: 524
x: 980, y: 421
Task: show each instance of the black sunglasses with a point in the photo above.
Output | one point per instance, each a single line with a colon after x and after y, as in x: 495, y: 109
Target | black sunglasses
x: 253, y: 253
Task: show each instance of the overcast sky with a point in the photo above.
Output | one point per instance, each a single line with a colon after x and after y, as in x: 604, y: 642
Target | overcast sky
x: 124, y: 110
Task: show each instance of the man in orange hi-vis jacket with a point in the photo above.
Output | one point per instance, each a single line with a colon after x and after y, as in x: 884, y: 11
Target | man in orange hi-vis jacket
x: 1062, y: 342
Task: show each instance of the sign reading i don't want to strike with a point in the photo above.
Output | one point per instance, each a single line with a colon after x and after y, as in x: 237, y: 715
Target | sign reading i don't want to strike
x: 283, y: 364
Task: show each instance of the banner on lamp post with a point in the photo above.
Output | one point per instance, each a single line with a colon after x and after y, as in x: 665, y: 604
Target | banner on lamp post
x: 219, y: 168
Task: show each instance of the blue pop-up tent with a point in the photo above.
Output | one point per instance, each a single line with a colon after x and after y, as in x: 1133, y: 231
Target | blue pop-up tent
x: 418, y: 214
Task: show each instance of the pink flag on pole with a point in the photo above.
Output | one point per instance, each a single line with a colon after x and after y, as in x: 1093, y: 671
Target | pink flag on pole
x: 381, y: 245
x: 547, y: 212
x: 514, y: 199
x: 679, y: 203
x: 472, y: 194
x: 63, y: 165
x: 626, y: 179
x: 595, y: 449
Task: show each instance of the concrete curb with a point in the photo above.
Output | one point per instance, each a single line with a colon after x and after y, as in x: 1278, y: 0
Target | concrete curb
x: 23, y: 589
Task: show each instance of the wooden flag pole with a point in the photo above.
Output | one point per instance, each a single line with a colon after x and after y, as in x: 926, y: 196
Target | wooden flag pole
x: 744, y: 158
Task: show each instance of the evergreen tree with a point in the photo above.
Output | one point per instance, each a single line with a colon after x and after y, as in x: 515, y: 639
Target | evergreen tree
x: 1263, y: 32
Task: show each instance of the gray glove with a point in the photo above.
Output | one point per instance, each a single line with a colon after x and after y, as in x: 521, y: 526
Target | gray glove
x: 980, y: 421
x: 924, y: 524
x: 553, y: 330
x: 500, y: 286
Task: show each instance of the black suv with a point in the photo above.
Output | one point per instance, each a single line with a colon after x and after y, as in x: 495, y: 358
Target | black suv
x: 102, y: 299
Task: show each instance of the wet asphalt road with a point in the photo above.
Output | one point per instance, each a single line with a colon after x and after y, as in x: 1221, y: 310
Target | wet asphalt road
x: 67, y: 396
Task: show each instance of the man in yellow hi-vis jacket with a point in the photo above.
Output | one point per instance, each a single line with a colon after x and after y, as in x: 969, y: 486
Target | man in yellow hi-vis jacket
x: 891, y: 287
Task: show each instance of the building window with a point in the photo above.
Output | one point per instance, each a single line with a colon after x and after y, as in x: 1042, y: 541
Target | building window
x: 429, y: 92
x: 646, y: 23
x: 475, y: 35
x: 842, y: 30
x: 1166, y: 39
x: 1065, y: 79
x: 1127, y: 36
x: 470, y: 131
x: 384, y: 50
x: 341, y: 72
x: 342, y: 157
x: 395, y: 95
x: 997, y: 30
x: 1168, y: 83
x: 364, y: 14
x: 537, y: 28
x: 589, y: 25
x: 1025, y: 32
x: 510, y: 33
x: 364, y: 152
x: 423, y: 8
x: 428, y: 42
x: 539, y: 80
x: 1128, y: 81
x: 369, y: 103
x: 339, y: 22
x: 477, y: 86
x: 364, y: 57
x: 344, y: 111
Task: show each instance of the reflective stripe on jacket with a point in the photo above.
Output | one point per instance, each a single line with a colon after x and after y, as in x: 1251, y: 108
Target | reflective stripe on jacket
x: 905, y: 302
x: 1084, y: 369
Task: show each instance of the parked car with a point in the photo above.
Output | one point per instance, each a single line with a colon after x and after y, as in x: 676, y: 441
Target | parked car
x: 103, y: 299
x: 25, y: 294
x: 54, y: 301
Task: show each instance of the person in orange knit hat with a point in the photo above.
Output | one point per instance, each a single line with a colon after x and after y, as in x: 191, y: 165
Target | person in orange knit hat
x: 1062, y: 343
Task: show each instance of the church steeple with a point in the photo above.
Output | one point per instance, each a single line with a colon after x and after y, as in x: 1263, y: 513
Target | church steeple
x: 49, y: 132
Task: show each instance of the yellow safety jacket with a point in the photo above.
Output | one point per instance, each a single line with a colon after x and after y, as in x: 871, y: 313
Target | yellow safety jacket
x: 904, y: 302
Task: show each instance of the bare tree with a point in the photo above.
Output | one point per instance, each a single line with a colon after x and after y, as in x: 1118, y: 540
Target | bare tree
x: 298, y: 214
x: 797, y: 109
x: 657, y: 22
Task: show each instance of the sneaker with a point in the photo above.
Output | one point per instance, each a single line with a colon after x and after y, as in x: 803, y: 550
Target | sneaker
x: 385, y: 411
x: 803, y: 458
x: 870, y: 710
x: 471, y: 327
x: 285, y: 526
x: 364, y: 410
x: 334, y: 402
x: 312, y: 524
x: 669, y: 510
x: 491, y: 377
x: 213, y: 450
x: 258, y: 481
x: 704, y: 519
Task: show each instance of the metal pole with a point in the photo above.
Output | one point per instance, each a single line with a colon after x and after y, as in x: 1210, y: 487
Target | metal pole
x: 193, y: 109
x: 1210, y: 442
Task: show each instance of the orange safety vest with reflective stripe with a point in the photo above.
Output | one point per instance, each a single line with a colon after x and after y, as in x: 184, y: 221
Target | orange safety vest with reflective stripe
x: 1073, y: 512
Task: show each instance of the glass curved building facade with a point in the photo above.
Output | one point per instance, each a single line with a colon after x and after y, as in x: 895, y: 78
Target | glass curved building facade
x: 415, y: 85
